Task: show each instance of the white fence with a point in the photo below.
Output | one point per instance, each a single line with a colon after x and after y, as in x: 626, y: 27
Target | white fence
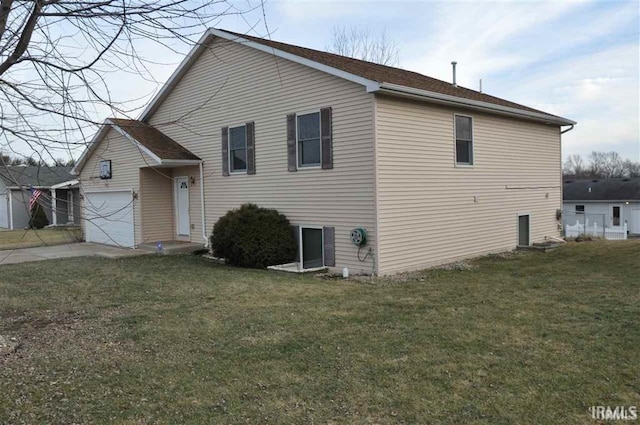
x: 592, y: 229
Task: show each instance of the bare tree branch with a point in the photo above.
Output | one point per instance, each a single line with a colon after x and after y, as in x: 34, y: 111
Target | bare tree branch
x: 362, y: 44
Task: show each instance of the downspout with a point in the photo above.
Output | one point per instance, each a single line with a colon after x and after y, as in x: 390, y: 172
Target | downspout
x: 568, y: 129
x: 204, y: 226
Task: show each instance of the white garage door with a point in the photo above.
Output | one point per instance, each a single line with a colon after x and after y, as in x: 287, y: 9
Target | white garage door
x: 4, y: 209
x: 109, y: 218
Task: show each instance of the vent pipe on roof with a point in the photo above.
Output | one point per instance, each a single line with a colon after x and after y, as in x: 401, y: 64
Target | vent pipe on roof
x: 453, y: 64
x: 480, y: 85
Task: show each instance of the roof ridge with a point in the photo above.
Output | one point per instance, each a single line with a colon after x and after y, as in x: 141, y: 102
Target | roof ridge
x: 457, y: 91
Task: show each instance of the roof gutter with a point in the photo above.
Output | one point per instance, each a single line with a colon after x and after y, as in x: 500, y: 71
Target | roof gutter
x: 412, y: 93
x: 568, y: 129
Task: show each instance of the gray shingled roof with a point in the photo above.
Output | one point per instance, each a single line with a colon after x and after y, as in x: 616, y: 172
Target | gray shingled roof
x: 602, y: 189
x: 33, y: 175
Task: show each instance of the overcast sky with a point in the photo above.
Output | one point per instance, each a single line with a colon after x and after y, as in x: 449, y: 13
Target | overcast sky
x: 578, y: 59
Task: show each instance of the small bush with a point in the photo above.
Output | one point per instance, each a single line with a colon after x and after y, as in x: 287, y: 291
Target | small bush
x: 254, y: 237
x: 38, y: 218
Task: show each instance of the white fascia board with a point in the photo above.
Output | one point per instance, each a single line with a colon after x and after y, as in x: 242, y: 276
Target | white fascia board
x: 140, y: 146
x: 600, y: 201
x: 173, y: 80
x: 65, y: 184
x: 175, y: 162
x: 200, y: 46
x: 27, y: 187
x: 77, y: 168
x: 369, y: 84
x: 394, y: 89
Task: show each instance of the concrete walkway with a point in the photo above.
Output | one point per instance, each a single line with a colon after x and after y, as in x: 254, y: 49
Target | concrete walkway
x: 25, y: 255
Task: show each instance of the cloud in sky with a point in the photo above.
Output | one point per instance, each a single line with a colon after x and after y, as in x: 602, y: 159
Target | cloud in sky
x: 578, y: 59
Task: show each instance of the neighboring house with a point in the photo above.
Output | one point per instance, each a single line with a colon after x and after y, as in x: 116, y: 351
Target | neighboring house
x: 609, y: 202
x: 434, y: 172
x: 60, y: 195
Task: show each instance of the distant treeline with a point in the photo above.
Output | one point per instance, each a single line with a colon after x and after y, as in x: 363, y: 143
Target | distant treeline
x: 600, y: 165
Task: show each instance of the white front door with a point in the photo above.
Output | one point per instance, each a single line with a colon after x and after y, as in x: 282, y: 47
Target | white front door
x: 635, y: 221
x: 182, y: 205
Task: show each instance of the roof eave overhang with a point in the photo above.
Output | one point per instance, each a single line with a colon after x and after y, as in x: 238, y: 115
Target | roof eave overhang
x: 104, y: 128
x: 602, y: 200
x: 67, y: 184
x: 179, y: 162
x: 27, y: 186
x: 156, y: 160
x: 425, y: 95
x: 201, y: 45
x: 370, y: 85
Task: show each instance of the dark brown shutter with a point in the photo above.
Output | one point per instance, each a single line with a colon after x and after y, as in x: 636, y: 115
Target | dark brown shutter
x: 251, y: 148
x: 225, y: 151
x: 291, y: 143
x: 327, y: 138
x: 296, y: 236
x: 328, y: 237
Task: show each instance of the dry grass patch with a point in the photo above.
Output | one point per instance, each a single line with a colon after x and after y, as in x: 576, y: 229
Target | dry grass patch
x: 535, y: 338
x: 29, y: 238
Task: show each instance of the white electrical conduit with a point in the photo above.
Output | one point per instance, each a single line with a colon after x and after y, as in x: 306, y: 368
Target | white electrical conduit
x: 204, y: 226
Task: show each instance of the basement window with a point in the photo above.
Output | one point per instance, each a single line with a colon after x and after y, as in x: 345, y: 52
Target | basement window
x: 312, y: 248
x: 464, y: 140
x: 579, y: 209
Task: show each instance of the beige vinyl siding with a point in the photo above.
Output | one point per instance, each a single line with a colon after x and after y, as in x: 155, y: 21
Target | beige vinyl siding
x: 156, y: 205
x: 426, y: 208
x: 231, y: 84
x: 126, y: 161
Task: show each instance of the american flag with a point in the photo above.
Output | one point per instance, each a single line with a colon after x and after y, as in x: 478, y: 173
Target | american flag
x: 35, y: 194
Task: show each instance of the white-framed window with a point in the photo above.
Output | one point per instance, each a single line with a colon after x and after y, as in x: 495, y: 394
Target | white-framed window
x: 463, y: 128
x: 308, y: 145
x: 238, y: 149
x: 579, y: 209
x: 311, y: 245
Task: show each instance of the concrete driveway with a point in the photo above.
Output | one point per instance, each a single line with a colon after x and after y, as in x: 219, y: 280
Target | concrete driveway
x: 25, y: 255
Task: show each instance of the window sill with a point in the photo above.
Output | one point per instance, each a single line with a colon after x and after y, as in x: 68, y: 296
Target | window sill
x: 237, y: 173
x: 310, y: 167
x: 295, y: 268
x: 464, y: 165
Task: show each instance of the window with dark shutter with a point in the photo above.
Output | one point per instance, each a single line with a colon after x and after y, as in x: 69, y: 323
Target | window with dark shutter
x: 225, y: 151
x: 292, y: 161
x: 327, y: 138
x: 238, y: 149
x: 251, y: 148
x: 329, y: 246
x: 308, y: 136
x: 296, y: 235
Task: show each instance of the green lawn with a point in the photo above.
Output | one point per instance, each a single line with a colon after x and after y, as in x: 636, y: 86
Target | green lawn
x: 13, y: 239
x: 530, y: 339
